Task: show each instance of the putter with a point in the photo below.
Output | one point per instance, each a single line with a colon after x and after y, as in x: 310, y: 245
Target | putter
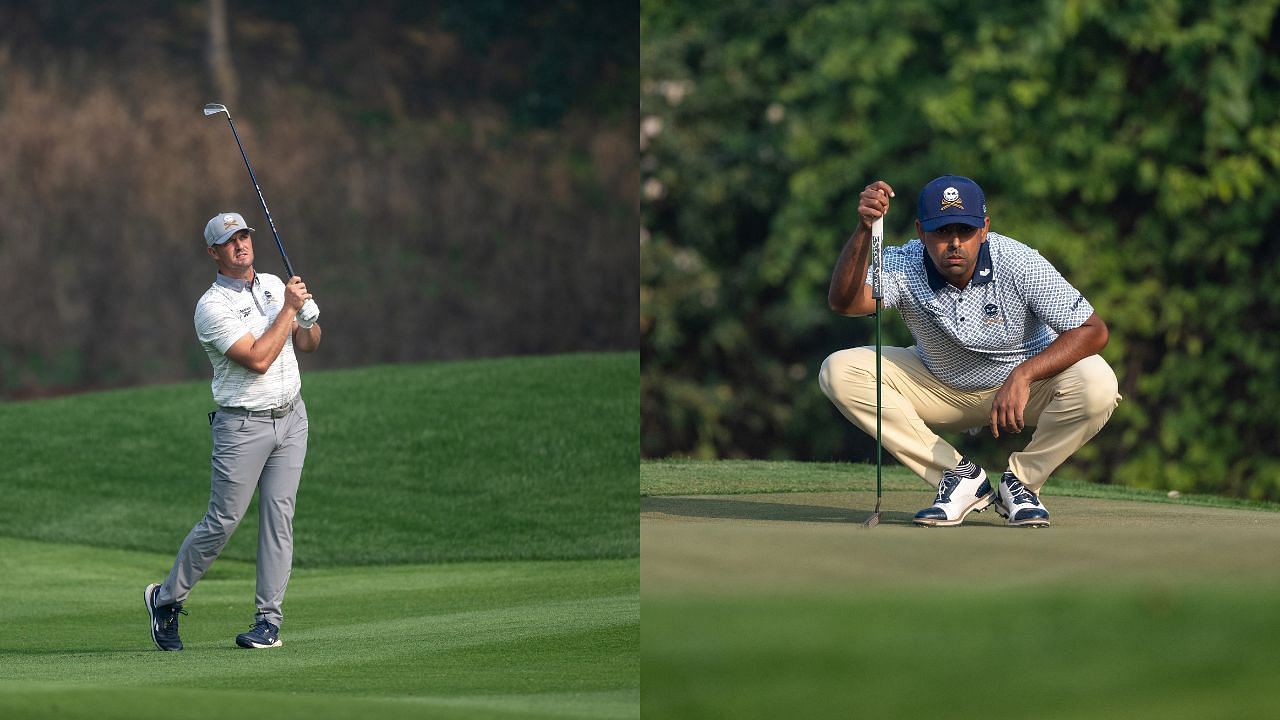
x: 877, y: 259
x: 309, y: 309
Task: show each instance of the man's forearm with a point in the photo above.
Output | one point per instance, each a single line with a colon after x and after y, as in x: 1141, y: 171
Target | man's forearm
x: 257, y: 354
x: 850, y: 273
x: 306, y: 339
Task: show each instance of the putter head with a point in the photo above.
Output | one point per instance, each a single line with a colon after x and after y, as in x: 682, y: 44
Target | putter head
x: 874, y: 520
x: 215, y: 108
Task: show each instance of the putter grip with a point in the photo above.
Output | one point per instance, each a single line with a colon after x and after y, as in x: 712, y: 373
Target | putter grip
x: 877, y: 257
x: 309, y: 313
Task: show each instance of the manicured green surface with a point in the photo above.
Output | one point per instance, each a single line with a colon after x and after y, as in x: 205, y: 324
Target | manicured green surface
x: 466, y: 548
x: 769, y: 604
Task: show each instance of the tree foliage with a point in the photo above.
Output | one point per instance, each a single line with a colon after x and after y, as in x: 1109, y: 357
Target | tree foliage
x: 1135, y: 146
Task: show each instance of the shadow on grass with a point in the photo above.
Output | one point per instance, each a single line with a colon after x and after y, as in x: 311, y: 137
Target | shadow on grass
x: 738, y: 509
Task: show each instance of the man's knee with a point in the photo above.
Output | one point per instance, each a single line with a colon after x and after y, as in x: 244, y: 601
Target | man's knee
x: 1098, y: 388
x: 219, y: 526
x: 843, y: 369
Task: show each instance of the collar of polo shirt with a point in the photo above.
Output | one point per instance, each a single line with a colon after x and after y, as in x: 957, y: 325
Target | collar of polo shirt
x: 236, y: 284
x: 982, y: 272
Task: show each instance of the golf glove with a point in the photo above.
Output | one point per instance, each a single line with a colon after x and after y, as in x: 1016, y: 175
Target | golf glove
x: 309, y: 314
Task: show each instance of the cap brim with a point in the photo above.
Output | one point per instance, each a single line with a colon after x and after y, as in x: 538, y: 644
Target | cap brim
x: 227, y: 235
x: 971, y: 220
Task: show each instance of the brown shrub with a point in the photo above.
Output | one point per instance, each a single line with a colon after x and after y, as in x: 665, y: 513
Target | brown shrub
x: 450, y: 238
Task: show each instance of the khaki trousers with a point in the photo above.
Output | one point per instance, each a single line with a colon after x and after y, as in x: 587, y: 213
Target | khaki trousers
x: 1066, y: 410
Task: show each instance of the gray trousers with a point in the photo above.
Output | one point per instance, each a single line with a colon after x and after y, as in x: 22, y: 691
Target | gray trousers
x: 249, y: 453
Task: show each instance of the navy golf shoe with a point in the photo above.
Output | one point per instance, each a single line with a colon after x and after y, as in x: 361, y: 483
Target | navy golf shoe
x: 164, y: 620
x: 262, y: 635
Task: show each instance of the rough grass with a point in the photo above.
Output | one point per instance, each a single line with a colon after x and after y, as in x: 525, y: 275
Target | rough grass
x: 514, y: 458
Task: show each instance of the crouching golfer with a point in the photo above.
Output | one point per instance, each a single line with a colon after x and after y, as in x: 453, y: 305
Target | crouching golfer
x: 248, y: 324
x: 1001, y: 340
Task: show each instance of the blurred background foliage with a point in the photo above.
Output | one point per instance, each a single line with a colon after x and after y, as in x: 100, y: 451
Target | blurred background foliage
x: 1134, y: 144
x: 453, y: 179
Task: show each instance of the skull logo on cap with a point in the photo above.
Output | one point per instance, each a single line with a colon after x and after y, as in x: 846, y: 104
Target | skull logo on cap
x: 951, y: 198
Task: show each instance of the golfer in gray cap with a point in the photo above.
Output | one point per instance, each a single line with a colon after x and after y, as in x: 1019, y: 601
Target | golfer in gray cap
x: 249, y: 326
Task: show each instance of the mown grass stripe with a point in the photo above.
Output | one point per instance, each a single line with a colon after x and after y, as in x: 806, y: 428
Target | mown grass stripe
x: 502, y: 639
x: 49, y: 700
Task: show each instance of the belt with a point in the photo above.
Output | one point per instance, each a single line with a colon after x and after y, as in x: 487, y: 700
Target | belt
x: 276, y: 412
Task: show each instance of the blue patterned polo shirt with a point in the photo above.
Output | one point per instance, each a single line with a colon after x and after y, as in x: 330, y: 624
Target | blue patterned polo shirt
x: 971, y: 339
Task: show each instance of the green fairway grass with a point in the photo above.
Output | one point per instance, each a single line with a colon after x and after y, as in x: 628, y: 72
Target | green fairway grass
x: 493, y: 459
x: 765, y: 597
x: 500, y: 639
x: 466, y: 548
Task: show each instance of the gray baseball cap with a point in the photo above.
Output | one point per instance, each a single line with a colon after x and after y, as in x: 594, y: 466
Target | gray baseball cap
x: 222, y: 226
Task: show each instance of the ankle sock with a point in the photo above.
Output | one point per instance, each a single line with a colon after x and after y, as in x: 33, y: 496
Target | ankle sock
x: 966, y: 469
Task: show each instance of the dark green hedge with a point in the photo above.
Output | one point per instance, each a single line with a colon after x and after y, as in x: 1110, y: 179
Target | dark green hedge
x: 1135, y: 146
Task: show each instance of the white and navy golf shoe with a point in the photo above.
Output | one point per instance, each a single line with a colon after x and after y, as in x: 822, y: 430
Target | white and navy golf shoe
x: 1016, y: 502
x: 960, y: 492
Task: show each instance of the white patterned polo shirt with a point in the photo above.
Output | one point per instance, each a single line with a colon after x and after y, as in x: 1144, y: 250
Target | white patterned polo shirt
x: 229, y: 309
x: 972, y: 338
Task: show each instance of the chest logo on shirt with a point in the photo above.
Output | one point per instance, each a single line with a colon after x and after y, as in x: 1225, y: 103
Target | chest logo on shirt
x: 951, y: 199
x: 244, y: 313
x: 991, y: 313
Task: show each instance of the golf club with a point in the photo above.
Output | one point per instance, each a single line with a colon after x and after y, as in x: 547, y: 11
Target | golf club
x: 877, y: 259
x: 310, y: 311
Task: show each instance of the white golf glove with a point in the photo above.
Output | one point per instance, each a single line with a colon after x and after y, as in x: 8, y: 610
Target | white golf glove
x: 308, y: 315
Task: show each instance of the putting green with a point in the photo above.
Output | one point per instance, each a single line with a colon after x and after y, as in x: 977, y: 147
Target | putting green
x: 816, y: 541
x: 780, y: 604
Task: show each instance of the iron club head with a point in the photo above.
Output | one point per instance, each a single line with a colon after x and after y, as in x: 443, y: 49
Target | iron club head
x: 215, y: 108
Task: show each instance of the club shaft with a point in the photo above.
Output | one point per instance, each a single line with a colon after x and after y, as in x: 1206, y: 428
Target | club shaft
x: 879, y: 405
x: 877, y: 292
x: 288, y: 267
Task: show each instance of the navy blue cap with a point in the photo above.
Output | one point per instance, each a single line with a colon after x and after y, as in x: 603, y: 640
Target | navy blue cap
x: 951, y: 199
